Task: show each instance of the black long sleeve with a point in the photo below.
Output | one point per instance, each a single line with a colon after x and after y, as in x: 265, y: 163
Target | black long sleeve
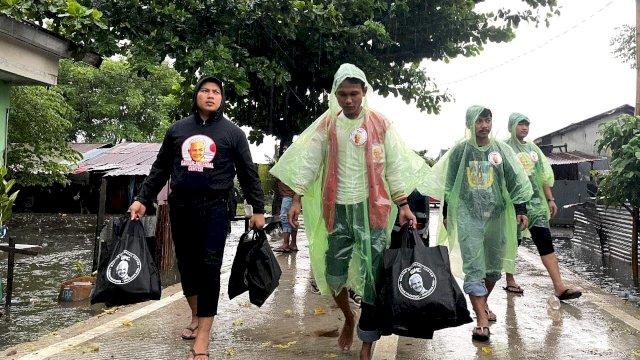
x: 159, y: 174
x: 248, y: 176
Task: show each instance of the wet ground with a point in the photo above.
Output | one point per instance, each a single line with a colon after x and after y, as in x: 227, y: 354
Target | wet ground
x: 295, y: 323
x: 67, y: 250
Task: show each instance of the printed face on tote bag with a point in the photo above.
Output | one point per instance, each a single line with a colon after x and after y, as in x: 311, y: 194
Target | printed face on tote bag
x: 417, y: 282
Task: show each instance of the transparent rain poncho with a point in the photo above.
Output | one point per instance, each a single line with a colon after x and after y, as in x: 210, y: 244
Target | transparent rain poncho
x: 480, y: 185
x: 350, y: 171
x: 537, y: 168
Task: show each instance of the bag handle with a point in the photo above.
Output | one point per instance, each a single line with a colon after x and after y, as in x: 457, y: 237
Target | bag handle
x: 260, y: 234
x: 413, y: 235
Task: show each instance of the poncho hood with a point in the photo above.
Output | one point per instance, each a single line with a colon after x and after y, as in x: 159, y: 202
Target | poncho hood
x: 514, y: 119
x: 346, y: 71
x: 473, y: 113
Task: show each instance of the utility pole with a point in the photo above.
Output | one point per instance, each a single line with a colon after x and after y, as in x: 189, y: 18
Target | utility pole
x: 634, y: 232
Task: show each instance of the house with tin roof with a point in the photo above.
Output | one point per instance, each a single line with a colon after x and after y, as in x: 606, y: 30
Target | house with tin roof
x: 573, y: 155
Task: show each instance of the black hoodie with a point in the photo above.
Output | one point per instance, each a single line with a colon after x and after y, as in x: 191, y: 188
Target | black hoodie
x: 202, y: 159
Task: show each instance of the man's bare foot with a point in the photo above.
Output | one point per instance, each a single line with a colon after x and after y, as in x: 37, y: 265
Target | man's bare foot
x: 346, y: 335
x: 365, y: 352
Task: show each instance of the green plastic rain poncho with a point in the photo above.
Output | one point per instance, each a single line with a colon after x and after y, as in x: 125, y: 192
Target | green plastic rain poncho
x: 480, y: 184
x: 537, y: 167
x: 350, y: 171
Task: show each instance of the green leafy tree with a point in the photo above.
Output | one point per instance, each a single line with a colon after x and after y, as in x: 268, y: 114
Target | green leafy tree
x: 621, y: 186
x: 69, y: 18
x: 114, y: 104
x: 624, y: 45
x: 39, y: 126
x: 277, y: 57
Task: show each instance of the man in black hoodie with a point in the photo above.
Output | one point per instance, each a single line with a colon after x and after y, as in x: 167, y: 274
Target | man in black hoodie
x: 198, y: 202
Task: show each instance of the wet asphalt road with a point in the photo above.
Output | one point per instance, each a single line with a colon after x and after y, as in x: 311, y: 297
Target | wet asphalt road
x: 294, y: 323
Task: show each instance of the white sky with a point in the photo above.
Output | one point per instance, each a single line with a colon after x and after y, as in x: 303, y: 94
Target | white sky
x: 556, y: 76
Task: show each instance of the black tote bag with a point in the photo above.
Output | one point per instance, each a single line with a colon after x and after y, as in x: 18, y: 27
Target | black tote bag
x: 254, y: 268
x: 129, y: 275
x: 419, y: 293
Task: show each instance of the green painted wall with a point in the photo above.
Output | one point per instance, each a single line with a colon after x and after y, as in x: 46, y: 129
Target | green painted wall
x: 5, y: 97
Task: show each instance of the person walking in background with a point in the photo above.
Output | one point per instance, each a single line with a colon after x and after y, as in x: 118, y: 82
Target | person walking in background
x: 289, y: 233
x: 541, y: 207
x: 202, y: 154
x: 353, y: 169
x: 485, y: 192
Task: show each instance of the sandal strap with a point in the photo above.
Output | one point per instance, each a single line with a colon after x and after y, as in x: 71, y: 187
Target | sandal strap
x: 195, y: 354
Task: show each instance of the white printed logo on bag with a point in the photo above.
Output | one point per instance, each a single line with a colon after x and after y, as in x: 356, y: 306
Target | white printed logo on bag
x: 358, y: 136
x: 534, y: 156
x: 124, y: 268
x: 417, y: 281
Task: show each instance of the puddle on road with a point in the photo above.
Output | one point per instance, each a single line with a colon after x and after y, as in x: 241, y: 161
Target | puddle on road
x: 611, y: 275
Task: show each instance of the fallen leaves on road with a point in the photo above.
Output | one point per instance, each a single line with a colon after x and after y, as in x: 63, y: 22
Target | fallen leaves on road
x: 288, y: 313
x: 329, y: 356
x: 230, y: 352
x: 113, y: 310
x: 284, y: 346
x: 487, y: 350
x: 237, y: 323
x: 319, y: 310
x: 127, y: 323
x: 266, y: 344
x: 54, y: 333
x: 636, y: 353
x: 91, y: 349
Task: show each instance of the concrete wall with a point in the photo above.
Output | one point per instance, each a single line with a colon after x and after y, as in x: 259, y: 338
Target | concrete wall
x: 580, y: 139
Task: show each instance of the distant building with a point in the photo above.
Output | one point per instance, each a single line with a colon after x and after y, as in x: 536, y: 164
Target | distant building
x: 581, y: 137
x: 573, y: 155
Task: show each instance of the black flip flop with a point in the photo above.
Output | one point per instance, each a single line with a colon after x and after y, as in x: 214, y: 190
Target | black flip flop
x: 566, y: 295
x: 190, y: 337
x: 195, y: 354
x: 516, y: 289
x: 481, y: 336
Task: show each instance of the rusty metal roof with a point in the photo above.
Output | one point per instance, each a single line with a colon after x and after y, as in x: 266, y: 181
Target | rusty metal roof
x: 123, y: 159
x: 89, y: 150
x: 571, y: 157
x: 86, y: 147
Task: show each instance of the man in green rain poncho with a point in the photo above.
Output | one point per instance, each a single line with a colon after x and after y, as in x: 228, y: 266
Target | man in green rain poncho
x: 541, y: 206
x: 485, y: 191
x: 355, y: 172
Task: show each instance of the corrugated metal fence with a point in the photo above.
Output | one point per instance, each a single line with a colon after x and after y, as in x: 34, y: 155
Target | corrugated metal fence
x: 568, y: 192
x: 607, y: 230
